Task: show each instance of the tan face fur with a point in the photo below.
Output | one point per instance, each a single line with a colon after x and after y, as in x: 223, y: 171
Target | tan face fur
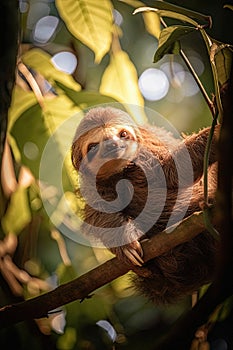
x: 108, y: 149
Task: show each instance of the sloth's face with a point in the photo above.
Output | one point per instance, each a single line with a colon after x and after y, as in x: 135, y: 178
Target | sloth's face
x: 107, y: 150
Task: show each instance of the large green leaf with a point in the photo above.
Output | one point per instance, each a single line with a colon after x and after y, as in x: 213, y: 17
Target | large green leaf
x: 21, y: 101
x: 34, y: 127
x: 18, y: 213
x: 120, y: 81
x: 89, y: 21
x: 168, y: 40
x: 29, y: 131
x: 43, y: 140
x: 86, y: 99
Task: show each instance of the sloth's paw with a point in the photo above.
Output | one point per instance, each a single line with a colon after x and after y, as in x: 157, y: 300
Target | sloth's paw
x: 131, y: 252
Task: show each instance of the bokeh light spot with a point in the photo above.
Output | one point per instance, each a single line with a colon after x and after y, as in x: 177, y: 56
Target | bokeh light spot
x: 65, y: 61
x: 45, y: 28
x: 23, y: 6
x: 118, y: 19
x: 30, y: 150
x: 153, y: 84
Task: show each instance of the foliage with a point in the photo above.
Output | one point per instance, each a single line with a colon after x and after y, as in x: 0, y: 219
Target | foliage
x: 46, y: 107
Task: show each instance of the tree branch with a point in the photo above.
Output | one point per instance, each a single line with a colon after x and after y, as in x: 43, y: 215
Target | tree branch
x: 81, y: 287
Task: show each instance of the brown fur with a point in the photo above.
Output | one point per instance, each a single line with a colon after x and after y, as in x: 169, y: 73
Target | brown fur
x: 183, y: 269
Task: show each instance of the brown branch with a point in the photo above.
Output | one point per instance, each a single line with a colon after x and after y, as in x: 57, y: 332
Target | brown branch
x: 81, y: 287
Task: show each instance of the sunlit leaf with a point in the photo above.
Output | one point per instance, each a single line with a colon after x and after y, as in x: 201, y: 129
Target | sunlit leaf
x: 21, y: 101
x: 228, y: 6
x: 42, y: 125
x: 30, y: 119
x: 18, y: 213
x: 178, y: 12
x: 168, y: 41
x: 90, y: 22
x: 151, y: 19
x: 120, y: 81
x: 86, y: 99
x: 133, y: 3
x: 41, y: 62
x: 170, y: 14
x: 152, y: 23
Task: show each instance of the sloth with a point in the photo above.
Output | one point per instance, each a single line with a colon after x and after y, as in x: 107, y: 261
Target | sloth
x: 137, y: 181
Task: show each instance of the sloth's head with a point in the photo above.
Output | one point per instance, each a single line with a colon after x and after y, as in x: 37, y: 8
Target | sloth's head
x: 106, y: 141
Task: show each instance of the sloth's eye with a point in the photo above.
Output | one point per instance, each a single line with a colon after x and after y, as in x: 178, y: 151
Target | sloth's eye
x: 92, y: 149
x: 124, y: 134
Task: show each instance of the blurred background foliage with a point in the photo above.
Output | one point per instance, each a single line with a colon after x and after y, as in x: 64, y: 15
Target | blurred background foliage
x: 73, y: 55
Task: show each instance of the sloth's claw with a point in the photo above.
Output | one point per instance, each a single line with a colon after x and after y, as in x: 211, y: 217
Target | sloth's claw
x: 133, y: 256
x: 134, y: 253
x: 130, y: 253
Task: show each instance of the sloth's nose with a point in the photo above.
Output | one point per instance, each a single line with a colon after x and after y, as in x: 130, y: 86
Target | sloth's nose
x: 111, y: 146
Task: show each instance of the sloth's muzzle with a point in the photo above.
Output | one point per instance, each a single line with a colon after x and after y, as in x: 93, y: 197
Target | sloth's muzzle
x: 112, y: 148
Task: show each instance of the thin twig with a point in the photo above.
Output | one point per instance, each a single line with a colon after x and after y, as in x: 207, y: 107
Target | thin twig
x: 195, y: 76
x: 199, y: 83
x: 32, y: 82
x: 206, y: 212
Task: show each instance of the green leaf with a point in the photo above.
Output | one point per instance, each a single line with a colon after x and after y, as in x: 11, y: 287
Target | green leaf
x: 151, y: 20
x: 120, y: 81
x: 42, y: 140
x: 89, y: 21
x: 222, y: 55
x: 177, y: 10
x: 41, y: 62
x: 21, y: 101
x: 42, y: 126
x: 30, y: 119
x: 18, y: 213
x: 228, y: 6
x: 168, y: 40
x: 220, y: 61
x: 170, y: 14
x: 86, y: 99
x: 152, y: 23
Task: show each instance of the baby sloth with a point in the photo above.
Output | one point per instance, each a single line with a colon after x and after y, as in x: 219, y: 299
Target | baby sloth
x: 136, y: 181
